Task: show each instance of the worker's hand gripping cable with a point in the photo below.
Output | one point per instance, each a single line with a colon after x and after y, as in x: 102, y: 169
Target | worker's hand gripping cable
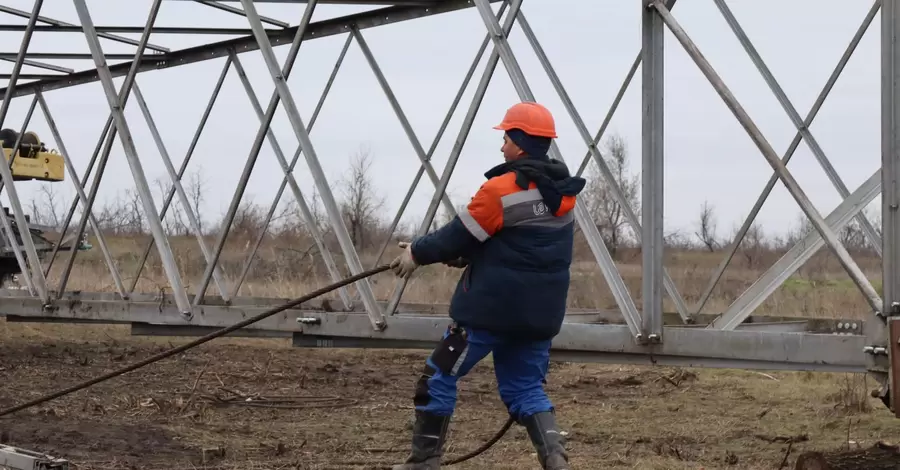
x: 533, y: 194
x: 216, y: 334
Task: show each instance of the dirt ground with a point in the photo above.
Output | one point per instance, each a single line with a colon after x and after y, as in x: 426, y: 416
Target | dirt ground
x: 350, y: 409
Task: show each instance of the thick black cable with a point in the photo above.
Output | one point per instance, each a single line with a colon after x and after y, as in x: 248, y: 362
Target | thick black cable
x: 487, y: 445
x: 224, y: 331
x: 197, y: 342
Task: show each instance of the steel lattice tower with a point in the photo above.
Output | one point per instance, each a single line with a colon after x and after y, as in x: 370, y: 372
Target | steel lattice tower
x: 359, y: 319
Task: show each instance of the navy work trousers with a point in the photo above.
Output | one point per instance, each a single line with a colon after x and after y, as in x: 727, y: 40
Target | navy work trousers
x: 520, y: 367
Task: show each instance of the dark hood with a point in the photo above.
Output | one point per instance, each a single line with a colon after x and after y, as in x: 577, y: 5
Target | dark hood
x: 551, y: 176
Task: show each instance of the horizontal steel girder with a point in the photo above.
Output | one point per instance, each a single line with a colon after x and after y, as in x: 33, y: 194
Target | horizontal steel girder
x: 581, y: 342
x: 13, y: 298
x: 319, y: 29
x: 614, y: 344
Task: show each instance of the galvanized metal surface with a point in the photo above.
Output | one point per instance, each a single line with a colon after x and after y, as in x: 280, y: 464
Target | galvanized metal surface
x: 13, y: 458
x: 736, y: 338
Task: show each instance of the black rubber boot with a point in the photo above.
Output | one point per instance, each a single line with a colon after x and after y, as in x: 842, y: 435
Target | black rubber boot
x: 547, y: 440
x: 429, y: 434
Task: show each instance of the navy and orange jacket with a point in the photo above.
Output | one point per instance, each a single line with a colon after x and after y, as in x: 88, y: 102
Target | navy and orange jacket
x: 517, y: 234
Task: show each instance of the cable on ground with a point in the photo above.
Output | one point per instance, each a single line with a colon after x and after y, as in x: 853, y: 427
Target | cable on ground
x: 225, y: 331
x: 284, y: 402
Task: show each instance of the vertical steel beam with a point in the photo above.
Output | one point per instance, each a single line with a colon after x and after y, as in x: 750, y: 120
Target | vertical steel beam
x: 792, y: 113
x: 250, y: 163
x: 179, y: 188
x: 79, y: 189
x: 652, y: 168
x: 184, y: 163
x: 594, y: 151
x: 771, y: 157
x: 876, y: 332
x: 893, y: 351
x: 278, y: 77
x: 401, y: 116
x: 456, y: 151
x: 615, y: 104
x: 592, y: 234
x: 36, y: 272
x: 137, y: 170
x: 288, y: 170
x: 798, y: 137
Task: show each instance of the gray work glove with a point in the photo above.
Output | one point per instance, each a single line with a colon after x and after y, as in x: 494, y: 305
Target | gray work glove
x: 404, y: 265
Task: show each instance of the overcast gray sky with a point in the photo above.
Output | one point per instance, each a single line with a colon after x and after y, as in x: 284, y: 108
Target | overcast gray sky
x: 590, y: 43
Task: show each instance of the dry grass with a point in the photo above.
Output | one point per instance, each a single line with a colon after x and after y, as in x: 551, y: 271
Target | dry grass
x: 163, y: 416
x: 288, y: 267
x: 623, y: 417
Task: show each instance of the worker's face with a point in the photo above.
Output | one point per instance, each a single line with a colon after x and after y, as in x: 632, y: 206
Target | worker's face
x: 510, y: 150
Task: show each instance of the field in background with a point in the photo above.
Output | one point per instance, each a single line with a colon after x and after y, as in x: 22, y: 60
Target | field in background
x: 288, y: 263
x: 289, y: 266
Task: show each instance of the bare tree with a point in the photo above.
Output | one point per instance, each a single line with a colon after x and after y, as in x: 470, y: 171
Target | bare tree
x: 753, y: 245
x: 361, y: 203
x: 852, y: 236
x: 247, y: 222
x: 195, y: 191
x: 174, y: 222
x: 797, y: 232
x: 128, y: 210
x: 605, y: 210
x: 47, y: 206
x: 707, y: 227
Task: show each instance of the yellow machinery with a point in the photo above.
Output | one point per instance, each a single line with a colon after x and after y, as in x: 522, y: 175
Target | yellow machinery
x: 33, y: 161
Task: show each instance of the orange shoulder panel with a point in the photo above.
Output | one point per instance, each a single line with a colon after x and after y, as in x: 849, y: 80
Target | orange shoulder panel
x: 504, y: 184
x: 566, y: 205
x: 486, y: 206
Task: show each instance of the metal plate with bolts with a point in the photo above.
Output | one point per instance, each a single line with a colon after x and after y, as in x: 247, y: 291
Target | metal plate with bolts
x: 13, y: 458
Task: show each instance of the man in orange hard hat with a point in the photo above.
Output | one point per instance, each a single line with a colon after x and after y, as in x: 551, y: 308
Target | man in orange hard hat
x: 515, y: 242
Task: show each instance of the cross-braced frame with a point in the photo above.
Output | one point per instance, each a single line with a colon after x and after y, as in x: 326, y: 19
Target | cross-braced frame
x: 638, y: 332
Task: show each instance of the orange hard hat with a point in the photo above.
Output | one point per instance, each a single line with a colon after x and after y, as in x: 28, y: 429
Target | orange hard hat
x: 531, y: 118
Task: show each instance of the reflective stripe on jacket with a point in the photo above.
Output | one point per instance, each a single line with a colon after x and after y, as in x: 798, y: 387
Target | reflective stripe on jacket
x: 517, y: 233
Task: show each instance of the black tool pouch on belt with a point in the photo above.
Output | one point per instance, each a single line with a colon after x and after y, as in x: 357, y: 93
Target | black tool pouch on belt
x: 448, y: 355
